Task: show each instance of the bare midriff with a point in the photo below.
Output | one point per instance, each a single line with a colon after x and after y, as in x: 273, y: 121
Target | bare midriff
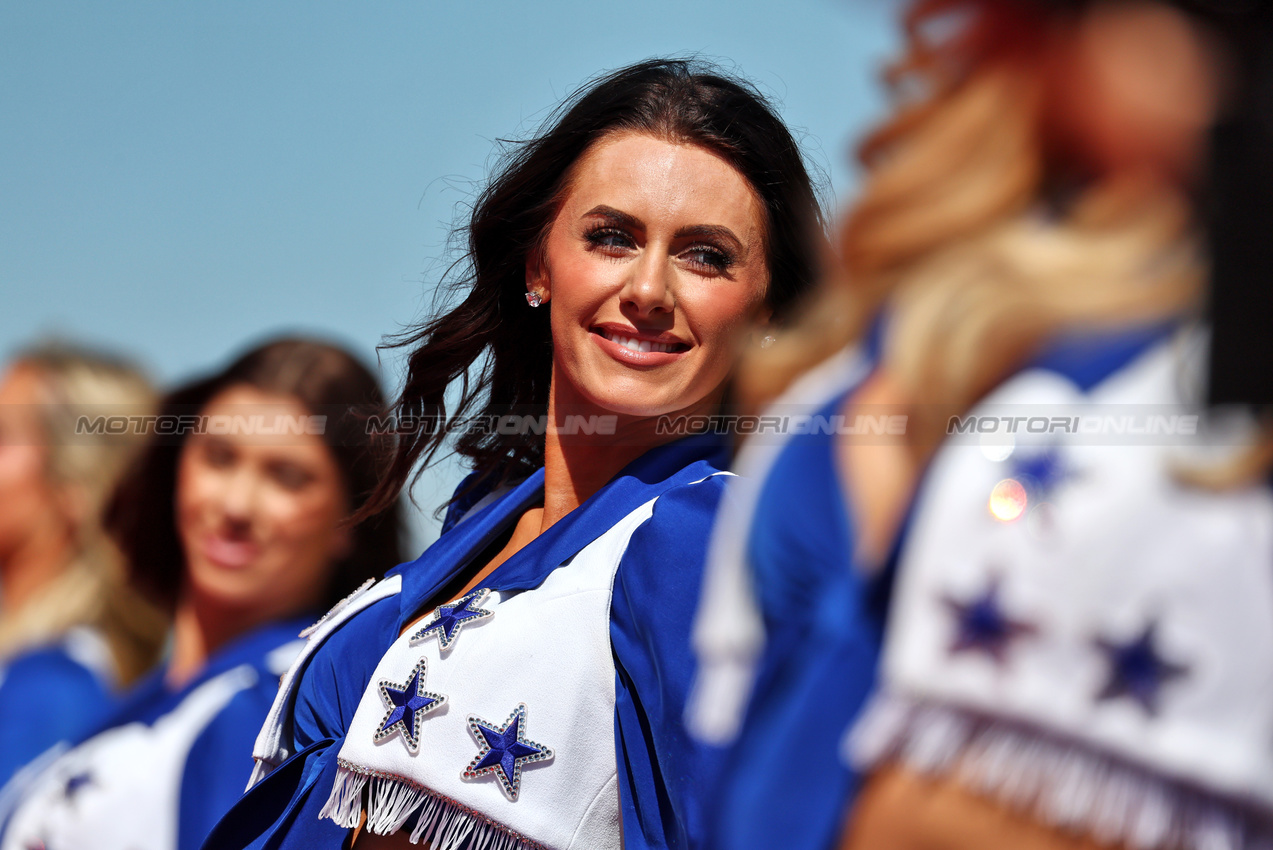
x: 364, y: 840
x: 902, y: 810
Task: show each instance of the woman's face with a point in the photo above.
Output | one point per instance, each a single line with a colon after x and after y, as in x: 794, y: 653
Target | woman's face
x: 30, y: 508
x: 655, y: 270
x: 1136, y: 85
x: 258, y: 514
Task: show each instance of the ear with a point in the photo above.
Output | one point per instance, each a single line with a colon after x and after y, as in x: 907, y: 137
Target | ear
x: 537, y: 278
x: 763, y: 327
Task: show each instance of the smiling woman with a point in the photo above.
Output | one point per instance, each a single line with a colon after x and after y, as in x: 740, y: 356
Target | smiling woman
x: 236, y: 525
x: 618, y: 262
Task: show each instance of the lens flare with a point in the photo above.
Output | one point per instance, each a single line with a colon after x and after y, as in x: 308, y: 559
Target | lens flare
x: 1008, y: 500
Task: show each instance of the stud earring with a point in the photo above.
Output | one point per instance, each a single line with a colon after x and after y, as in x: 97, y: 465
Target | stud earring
x: 533, y: 299
x: 767, y: 341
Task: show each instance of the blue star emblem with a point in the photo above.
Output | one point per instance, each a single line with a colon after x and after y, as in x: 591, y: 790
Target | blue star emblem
x: 503, y: 750
x: 408, y: 704
x: 982, y: 626
x: 1137, y: 670
x: 77, y: 783
x: 1041, y: 473
x: 450, y: 618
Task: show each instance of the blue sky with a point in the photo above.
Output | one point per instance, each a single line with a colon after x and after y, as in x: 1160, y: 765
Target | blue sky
x: 178, y: 180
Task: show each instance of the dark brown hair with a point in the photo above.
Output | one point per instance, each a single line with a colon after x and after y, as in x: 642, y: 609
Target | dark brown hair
x: 327, y: 380
x: 498, y: 351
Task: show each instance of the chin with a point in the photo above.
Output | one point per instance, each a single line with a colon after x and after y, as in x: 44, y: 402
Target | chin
x: 646, y: 405
x: 225, y: 589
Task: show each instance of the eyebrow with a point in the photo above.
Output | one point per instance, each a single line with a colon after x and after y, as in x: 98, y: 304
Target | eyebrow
x: 715, y: 231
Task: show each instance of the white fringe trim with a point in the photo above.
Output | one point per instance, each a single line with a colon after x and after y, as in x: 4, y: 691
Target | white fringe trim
x: 1060, y: 782
x: 442, y: 823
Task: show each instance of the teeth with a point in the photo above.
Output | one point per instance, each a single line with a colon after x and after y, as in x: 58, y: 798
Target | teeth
x: 633, y: 344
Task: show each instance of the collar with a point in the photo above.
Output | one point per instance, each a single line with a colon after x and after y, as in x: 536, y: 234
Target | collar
x: 658, y: 470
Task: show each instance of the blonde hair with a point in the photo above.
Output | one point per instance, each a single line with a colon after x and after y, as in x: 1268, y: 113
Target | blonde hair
x: 92, y: 590
x: 953, y: 231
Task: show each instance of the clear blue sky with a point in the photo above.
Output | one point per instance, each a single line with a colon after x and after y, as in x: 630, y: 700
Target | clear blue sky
x: 180, y: 179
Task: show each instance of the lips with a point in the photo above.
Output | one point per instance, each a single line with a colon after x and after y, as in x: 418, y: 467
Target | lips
x: 227, y: 553
x: 634, y: 348
x: 634, y: 340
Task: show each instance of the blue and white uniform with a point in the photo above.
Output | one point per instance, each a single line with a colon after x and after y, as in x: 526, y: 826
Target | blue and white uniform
x: 54, y: 694
x: 1097, y: 652
x: 542, y: 710
x: 166, y: 766
x: 785, y: 616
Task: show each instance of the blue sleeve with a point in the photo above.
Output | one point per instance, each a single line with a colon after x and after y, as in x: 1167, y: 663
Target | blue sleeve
x: 800, y: 537
x: 335, y: 678
x: 220, y: 762
x: 47, y: 697
x: 281, y: 812
x: 785, y: 783
x: 663, y: 773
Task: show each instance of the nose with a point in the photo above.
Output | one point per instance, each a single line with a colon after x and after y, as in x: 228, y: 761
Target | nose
x: 648, y: 290
x: 238, y: 496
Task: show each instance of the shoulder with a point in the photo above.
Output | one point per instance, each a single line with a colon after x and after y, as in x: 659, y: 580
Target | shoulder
x: 52, y: 668
x: 662, y: 568
x: 694, y: 501
x: 47, y: 696
x: 319, y: 695
x: 361, y: 637
x: 50, y: 684
x: 680, y: 521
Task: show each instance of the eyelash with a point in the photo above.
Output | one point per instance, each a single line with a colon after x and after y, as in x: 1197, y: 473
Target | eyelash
x: 598, y: 235
x: 710, y: 258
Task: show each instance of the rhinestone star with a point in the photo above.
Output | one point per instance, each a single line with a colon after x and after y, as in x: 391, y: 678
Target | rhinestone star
x: 1137, y: 670
x: 77, y: 783
x: 982, y: 626
x: 453, y: 616
x: 408, y: 704
x: 503, y: 750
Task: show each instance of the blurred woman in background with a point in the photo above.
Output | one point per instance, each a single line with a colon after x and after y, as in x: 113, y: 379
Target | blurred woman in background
x: 237, y: 522
x: 1076, y: 634
x: 72, y: 631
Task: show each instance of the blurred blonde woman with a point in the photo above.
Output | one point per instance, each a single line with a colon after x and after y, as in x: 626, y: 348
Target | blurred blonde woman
x: 72, y: 633
x: 1022, y: 634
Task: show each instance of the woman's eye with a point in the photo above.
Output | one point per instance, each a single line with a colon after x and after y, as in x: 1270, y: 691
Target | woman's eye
x: 290, y: 476
x: 610, y: 237
x: 218, y: 454
x: 708, y: 259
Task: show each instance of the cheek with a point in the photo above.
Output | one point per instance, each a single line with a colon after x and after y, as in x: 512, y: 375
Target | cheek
x: 300, y: 522
x: 25, y: 494
x: 21, y: 470
x: 720, y: 314
x: 579, y: 281
x: 196, y: 486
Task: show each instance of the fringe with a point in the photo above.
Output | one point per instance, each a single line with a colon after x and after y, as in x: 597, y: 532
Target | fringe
x: 1060, y: 782
x: 344, y: 804
x: 441, y: 823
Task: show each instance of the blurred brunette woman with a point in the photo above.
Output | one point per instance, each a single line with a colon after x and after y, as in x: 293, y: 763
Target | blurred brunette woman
x: 238, y: 523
